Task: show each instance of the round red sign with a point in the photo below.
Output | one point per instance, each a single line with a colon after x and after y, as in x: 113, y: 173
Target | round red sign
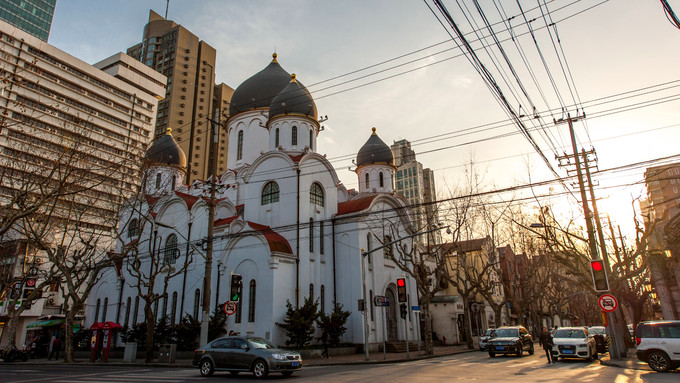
x: 229, y: 308
x: 608, y: 303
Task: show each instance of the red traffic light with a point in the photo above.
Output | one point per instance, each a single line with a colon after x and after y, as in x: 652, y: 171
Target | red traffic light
x: 401, y: 282
x: 596, y: 265
x: 401, y: 290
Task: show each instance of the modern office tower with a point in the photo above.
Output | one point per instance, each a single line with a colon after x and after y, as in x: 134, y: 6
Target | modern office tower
x: 55, y: 106
x: 32, y: 16
x: 190, y: 100
x: 416, y: 184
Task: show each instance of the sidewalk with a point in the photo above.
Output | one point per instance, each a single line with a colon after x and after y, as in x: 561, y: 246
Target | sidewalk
x: 630, y: 361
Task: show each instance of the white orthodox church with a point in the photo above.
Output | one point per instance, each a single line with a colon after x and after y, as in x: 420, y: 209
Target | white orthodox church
x: 283, y: 221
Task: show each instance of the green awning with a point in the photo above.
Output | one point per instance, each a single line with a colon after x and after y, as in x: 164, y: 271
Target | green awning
x: 46, y: 323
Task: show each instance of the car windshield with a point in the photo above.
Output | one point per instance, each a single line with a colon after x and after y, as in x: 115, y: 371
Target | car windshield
x: 596, y: 330
x: 507, y: 332
x: 573, y: 333
x: 488, y: 332
x: 260, y: 343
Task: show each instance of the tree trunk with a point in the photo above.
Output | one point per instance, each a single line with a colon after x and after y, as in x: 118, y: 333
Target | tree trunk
x: 12, y: 327
x: 69, y: 336
x: 468, y: 323
x: 150, y: 324
x: 498, y: 314
x: 428, y: 327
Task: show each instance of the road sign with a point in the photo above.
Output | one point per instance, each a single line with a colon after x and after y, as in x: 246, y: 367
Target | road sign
x: 415, y: 309
x: 380, y: 300
x: 30, y: 282
x: 608, y: 303
x: 229, y: 308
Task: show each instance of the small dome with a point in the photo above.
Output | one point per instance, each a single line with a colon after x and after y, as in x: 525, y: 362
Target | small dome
x: 375, y: 151
x: 165, y: 151
x: 259, y: 90
x: 293, y: 99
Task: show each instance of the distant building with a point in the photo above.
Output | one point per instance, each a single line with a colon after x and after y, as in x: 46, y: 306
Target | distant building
x: 191, y: 97
x: 51, y: 98
x: 32, y: 16
x: 417, y: 185
x: 663, y: 191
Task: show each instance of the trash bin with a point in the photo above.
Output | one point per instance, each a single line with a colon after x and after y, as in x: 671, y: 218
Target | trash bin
x: 167, y: 353
x: 130, y: 353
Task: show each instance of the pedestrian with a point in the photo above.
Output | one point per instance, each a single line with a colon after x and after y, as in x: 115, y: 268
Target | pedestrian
x: 324, y: 341
x: 546, y: 340
x: 55, y: 346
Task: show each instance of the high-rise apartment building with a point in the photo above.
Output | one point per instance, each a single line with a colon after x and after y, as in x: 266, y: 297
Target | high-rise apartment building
x: 32, y: 16
x: 416, y: 184
x: 55, y: 106
x: 663, y: 191
x: 192, y: 98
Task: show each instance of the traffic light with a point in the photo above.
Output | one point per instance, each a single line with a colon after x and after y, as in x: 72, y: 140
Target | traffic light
x: 401, y: 289
x: 236, y: 287
x: 402, y: 309
x: 599, y: 275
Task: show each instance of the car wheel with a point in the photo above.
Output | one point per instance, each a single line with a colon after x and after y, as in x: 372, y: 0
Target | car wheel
x: 531, y: 349
x: 595, y: 356
x: 207, y: 367
x: 520, y: 350
x: 287, y: 373
x: 492, y: 355
x: 234, y: 373
x: 260, y: 369
x: 658, y: 361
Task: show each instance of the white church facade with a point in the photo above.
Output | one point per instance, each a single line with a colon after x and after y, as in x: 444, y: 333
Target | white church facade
x: 283, y: 221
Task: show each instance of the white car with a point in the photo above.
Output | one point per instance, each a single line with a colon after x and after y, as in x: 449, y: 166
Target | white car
x: 658, y: 344
x: 574, y: 342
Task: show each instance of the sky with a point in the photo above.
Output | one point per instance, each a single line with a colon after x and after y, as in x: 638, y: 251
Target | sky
x: 393, y: 65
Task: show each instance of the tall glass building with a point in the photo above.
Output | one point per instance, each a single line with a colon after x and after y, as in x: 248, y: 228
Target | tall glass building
x: 32, y: 16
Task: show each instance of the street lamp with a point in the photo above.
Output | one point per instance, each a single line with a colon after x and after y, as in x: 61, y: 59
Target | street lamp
x: 364, y: 254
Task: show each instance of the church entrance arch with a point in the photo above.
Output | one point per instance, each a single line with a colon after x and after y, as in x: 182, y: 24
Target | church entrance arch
x: 391, y: 315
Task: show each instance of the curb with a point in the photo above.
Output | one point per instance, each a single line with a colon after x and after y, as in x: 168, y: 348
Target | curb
x: 401, y: 360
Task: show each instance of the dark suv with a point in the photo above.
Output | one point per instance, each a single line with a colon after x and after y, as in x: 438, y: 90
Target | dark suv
x: 511, y: 340
x: 658, y: 344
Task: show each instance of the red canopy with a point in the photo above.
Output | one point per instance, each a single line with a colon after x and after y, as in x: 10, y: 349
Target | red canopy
x: 105, y: 326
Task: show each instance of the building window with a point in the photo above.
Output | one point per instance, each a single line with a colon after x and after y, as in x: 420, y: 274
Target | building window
x: 174, y: 182
x: 369, y: 241
x: 171, y: 252
x: 239, y: 148
x: 158, y: 181
x: 133, y: 228
x: 311, y: 292
x: 251, y: 301
x: 136, y: 311
x: 173, y: 313
x: 381, y: 179
x: 105, y: 309
x: 197, y: 302
x: 96, y: 310
x: 322, y: 298
x: 311, y: 138
x: 276, y: 139
x: 316, y: 194
x: 367, y: 182
x: 270, y: 193
x: 127, y: 312
x: 321, y: 237
x: 387, y: 250
x: 311, y: 235
x: 164, y: 313
x: 293, y: 139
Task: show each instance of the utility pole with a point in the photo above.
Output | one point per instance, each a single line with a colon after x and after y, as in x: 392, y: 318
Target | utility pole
x: 592, y: 241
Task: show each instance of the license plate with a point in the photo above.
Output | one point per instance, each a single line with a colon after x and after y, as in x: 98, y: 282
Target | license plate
x: 567, y: 351
x: 295, y: 364
x: 500, y: 348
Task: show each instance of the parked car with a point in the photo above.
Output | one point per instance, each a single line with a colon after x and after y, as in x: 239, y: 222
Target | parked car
x: 658, y: 344
x: 599, y: 333
x: 484, y: 339
x: 511, y: 340
x: 574, y: 342
x: 245, y: 354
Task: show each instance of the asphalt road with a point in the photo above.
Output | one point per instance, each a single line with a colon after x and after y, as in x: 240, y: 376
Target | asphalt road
x: 475, y: 366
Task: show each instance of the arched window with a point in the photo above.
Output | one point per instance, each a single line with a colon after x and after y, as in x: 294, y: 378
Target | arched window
x: 133, y: 228
x: 293, y: 138
x: 311, y: 235
x: 136, y: 311
x: 369, y: 241
x: 105, y: 309
x: 174, y: 182
x: 155, y: 310
x: 127, y: 312
x: 381, y: 179
x: 270, y: 193
x: 311, y: 138
x: 322, y: 296
x: 321, y: 237
x: 239, y: 148
x: 96, y: 310
x: 158, y: 181
x: 173, y: 313
x: 368, y: 184
x: 251, y: 301
x: 311, y: 292
x: 316, y: 194
x: 197, y: 302
x: 276, y: 139
x: 171, y: 252
x: 164, y: 313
